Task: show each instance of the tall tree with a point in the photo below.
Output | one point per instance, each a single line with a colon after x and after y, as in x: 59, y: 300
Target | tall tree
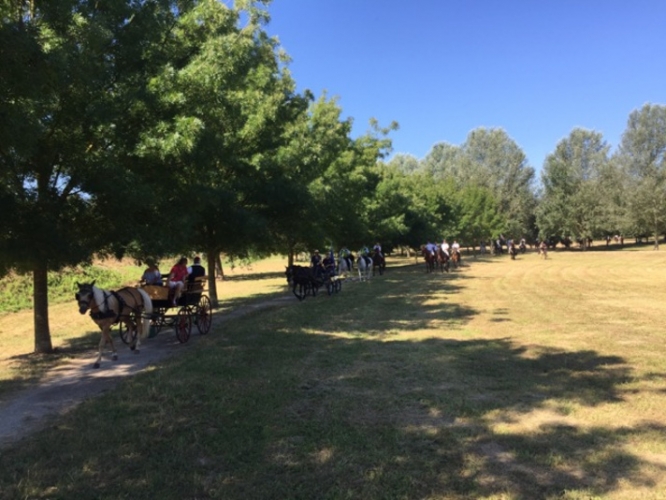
x: 572, y: 180
x: 642, y: 155
x: 71, y: 92
x: 493, y: 160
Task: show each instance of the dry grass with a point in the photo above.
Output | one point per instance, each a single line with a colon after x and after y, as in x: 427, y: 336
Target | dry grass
x: 524, y: 379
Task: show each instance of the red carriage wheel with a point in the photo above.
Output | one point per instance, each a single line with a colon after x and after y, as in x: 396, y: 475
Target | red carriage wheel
x: 204, y: 315
x: 183, y: 324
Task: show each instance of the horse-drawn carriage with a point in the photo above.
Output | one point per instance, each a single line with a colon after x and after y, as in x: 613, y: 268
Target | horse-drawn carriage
x: 193, y: 306
x: 307, y: 280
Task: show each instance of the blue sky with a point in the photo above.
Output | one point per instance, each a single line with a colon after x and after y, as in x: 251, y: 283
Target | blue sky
x: 440, y: 68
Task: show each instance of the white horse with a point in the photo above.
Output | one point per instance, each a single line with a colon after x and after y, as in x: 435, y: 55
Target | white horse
x: 131, y: 306
x: 364, y: 266
x: 343, y: 267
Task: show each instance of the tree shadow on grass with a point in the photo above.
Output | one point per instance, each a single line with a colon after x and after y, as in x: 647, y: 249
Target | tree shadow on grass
x: 289, y: 406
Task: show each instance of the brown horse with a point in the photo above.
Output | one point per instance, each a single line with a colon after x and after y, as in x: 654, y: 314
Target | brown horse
x: 430, y: 259
x: 455, y: 258
x: 442, y: 260
x: 130, y: 306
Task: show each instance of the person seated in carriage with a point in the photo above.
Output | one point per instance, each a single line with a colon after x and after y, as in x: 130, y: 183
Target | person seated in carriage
x: 196, y: 270
x: 329, y: 263
x: 152, y: 275
x: 316, y: 263
x: 177, y: 279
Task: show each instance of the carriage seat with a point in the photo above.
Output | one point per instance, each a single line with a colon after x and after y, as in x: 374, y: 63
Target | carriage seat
x: 198, y: 285
x: 156, y: 292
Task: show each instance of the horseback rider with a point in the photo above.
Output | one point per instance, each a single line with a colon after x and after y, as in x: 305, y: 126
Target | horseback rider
x: 455, y: 248
x: 378, y: 250
x: 346, y: 254
x: 329, y: 263
x: 445, y: 247
x: 365, y: 255
x: 431, y: 248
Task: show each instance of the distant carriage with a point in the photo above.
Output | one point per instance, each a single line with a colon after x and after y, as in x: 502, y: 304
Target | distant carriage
x: 306, y: 281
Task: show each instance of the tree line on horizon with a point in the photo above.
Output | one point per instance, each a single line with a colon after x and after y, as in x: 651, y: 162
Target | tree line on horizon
x: 153, y: 128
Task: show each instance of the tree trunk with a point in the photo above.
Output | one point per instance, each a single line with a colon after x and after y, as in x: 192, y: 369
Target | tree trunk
x: 218, y: 261
x: 43, y: 343
x: 212, y: 257
x: 656, y: 229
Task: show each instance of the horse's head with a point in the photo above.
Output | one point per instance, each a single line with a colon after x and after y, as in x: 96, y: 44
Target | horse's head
x: 289, y: 273
x: 85, y: 296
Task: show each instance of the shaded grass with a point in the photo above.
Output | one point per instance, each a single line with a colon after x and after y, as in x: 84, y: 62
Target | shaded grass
x: 405, y: 387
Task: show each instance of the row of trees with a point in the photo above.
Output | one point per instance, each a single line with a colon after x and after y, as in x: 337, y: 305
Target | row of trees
x: 158, y: 127
x: 586, y: 192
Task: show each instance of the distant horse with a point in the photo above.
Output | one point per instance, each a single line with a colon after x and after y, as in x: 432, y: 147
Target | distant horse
x: 378, y: 263
x: 442, y: 260
x: 455, y: 258
x: 303, y: 280
x: 345, y: 266
x: 364, y: 266
x: 513, y: 251
x: 131, y: 306
x: 430, y: 259
x: 543, y: 249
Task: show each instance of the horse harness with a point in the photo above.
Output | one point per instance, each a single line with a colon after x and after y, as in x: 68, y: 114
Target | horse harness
x: 108, y: 313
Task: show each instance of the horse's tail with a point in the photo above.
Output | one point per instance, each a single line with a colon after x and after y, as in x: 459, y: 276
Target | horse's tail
x: 147, y: 312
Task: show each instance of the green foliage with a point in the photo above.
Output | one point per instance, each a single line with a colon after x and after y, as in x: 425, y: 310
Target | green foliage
x: 573, y: 179
x: 16, y: 290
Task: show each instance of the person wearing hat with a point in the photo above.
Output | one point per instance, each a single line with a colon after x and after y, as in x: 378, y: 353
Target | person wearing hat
x: 152, y: 275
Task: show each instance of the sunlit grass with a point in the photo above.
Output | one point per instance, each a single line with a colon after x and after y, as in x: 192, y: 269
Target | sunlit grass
x: 502, y: 380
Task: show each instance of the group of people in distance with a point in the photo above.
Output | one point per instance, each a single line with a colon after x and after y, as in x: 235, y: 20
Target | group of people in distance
x: 178, y: 277
x: 446, y: 248
x: 328, y: 262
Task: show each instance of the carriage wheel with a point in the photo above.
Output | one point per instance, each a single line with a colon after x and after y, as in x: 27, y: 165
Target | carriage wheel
x: 124, y: 333
x: 204, y: 315
x: 157, y: 322
x: 183, y: 325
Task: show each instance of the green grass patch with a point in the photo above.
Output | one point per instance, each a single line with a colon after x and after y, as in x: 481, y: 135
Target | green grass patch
x: 16, y: 291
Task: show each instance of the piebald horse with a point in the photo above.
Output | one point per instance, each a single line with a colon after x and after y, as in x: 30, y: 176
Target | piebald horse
x: 364, y: 266
x: 131, y: 306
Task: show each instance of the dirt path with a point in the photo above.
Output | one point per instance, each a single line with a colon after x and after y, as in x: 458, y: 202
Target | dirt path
x: 64, y: 387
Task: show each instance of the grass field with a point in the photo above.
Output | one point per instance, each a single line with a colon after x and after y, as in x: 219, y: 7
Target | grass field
x: 526, y: 379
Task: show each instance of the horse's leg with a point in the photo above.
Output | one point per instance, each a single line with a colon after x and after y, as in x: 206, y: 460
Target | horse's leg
x: 106, y: 337
x: 100, y: 346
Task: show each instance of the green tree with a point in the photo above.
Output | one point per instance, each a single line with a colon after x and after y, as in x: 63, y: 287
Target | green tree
x: 72, y: 106
x: 490, y: 158
x: 642, y: 156
x: 477, y: 215
x: 573, y: 180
